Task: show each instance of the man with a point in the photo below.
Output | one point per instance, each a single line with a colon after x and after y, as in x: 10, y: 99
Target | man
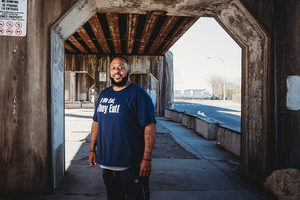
x: 123, y: 130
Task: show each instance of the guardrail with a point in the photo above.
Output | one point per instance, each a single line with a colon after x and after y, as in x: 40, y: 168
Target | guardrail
x: 225, y: 136
x: 78, y: 104
x: 229, y: 138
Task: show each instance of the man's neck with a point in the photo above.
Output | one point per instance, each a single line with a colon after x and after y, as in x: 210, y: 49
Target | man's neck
x: 119, y: 88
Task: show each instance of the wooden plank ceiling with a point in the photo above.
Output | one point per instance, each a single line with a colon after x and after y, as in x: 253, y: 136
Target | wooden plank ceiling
x: 123, y: 34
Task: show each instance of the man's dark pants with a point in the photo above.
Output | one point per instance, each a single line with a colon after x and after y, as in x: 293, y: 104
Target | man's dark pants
x: 126, y: 185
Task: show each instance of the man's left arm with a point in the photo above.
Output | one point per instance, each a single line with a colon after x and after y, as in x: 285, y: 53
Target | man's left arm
x: 149, y: 135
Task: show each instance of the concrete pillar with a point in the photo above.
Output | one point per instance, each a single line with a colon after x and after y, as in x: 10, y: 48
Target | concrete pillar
x: 83, y: 80
x: 256, y: 121
x: 67, y: 86
x: 31, y: 158
x: 73, y: 87
x: 167, y: 96
x: 287, y: 83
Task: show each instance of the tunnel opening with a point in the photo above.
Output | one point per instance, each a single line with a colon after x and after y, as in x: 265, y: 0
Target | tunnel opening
x: 212, y: 63
x: 243, y: 28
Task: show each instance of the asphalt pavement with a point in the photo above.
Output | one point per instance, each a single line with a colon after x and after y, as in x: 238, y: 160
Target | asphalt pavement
x: 185, y: 166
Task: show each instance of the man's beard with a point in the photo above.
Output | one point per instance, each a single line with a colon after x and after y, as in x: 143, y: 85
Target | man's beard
x: 121, y: 83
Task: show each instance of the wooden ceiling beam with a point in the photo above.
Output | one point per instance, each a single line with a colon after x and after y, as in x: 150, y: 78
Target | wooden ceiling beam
x: 98, y: 31
x: 132, y: 22
x: 69, y: 48
x: 86, y: 38
x: 147, y: 32
x: 113, y: 24
x: 164, y: 37
x: 77, y: 44
x: 163, y: 33
x: 189, y: 21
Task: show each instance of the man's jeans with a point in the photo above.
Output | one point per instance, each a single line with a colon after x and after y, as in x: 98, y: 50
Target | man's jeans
x: 126, y: 185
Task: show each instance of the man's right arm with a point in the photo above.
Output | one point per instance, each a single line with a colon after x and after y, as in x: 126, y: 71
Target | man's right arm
x: 94, y: 133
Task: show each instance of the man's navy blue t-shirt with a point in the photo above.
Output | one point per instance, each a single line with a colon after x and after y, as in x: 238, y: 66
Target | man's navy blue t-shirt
x: 122, y: 116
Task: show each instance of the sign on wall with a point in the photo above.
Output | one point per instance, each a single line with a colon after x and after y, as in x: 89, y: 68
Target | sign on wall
x: 13, y: 17
x: 102, y: 76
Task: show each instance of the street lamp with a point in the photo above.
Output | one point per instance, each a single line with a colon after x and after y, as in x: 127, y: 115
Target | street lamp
x: 224, y: 74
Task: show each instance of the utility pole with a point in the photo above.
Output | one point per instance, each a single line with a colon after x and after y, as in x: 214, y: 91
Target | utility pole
x: 224, y: 74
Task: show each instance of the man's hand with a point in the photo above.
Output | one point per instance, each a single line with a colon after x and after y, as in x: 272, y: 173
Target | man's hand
x: 94, y: 133
x: 92, y: 159
x: 145, y: 168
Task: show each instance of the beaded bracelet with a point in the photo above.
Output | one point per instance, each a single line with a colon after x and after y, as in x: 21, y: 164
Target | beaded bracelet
x: 147, y: 159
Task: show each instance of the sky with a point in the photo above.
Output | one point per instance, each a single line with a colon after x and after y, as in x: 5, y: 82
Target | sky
x: 206, y: 38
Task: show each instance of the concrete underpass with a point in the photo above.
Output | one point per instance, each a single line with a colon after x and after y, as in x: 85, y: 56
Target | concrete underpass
x: 63, y: 54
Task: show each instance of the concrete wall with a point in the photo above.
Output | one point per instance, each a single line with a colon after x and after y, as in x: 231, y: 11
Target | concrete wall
x: 174, y: 115
x: 26, y: 155
x: 161, y: 67
x: 210, y: 129
x: 189, y: 120
x: 255, y: 42
x: 286, y: 139
x: 229, y: 138
x: 280, y: 143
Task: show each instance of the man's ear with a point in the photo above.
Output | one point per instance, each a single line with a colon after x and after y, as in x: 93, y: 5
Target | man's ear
x: 129, y: 71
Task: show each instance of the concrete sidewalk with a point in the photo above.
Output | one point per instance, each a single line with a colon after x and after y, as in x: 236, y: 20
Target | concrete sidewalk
x: 212, y: 173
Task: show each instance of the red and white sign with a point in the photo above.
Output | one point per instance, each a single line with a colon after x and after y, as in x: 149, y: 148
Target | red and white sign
x: 9, y: 24
x: 9, y: 31
x: 19, y: 24
x: 13, y: 17
x: 18, y: 32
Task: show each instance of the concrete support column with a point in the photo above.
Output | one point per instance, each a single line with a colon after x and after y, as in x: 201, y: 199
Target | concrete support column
x: 83, y: 89
x: 67, y: 86
x: 256, y: 121
x: 73, y: 87
x: 32, y: 150
x: 287, y: 83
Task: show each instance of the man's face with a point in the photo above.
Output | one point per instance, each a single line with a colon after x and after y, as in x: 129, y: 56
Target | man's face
x: 119, y: 72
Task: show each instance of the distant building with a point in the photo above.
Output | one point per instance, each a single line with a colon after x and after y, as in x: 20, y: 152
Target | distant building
x: 192, y: 94
x: 178, y: 94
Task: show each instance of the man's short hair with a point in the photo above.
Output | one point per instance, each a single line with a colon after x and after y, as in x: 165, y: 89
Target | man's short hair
x: 122, y: 58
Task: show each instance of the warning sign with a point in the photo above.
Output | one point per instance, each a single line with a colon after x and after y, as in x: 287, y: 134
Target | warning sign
x: 13, y: 17
x: 102, y: 76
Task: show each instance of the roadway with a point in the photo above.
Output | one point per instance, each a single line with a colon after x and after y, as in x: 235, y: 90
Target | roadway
x: 228, y: 113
